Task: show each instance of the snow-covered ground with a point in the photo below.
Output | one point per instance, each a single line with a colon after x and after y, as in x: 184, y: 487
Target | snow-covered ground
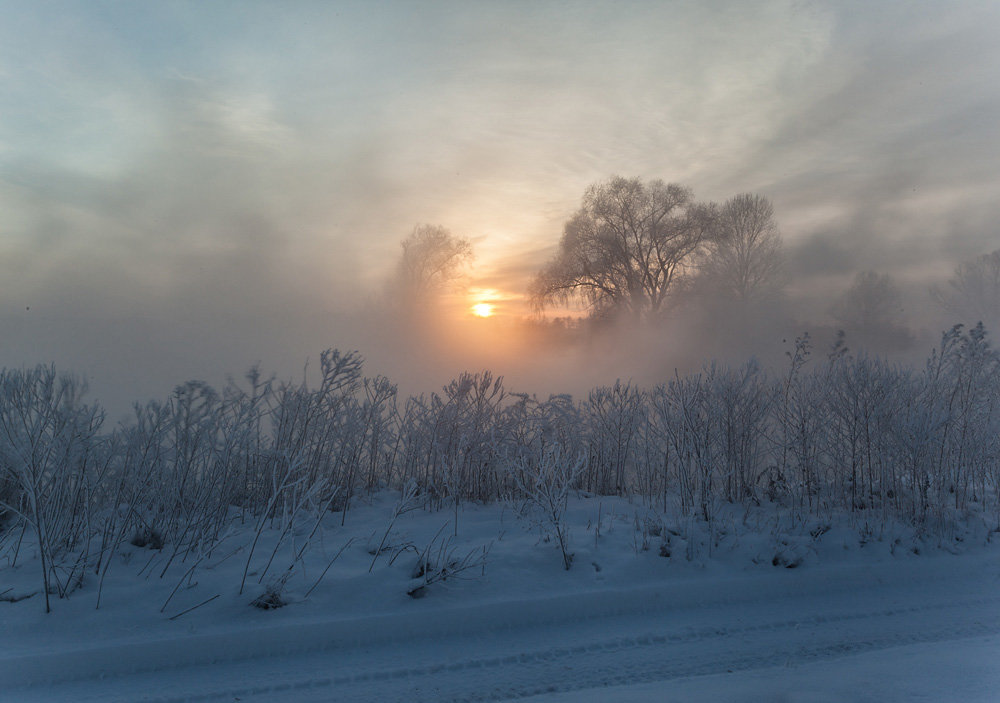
x: 653, y: 609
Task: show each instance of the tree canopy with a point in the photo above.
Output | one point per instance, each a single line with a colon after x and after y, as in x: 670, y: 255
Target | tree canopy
x: 745, y: 260
x: 626, y: 248
x: 432, y: 258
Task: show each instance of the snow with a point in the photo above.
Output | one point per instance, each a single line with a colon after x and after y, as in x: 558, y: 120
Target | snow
x: 956, y: 670
x: 864, y: 615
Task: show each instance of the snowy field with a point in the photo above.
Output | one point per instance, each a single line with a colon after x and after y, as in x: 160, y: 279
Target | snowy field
x: 651, y: 610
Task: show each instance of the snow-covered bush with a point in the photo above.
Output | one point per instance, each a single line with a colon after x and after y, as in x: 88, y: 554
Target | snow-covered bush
x: 48, y: 439
x: 440, y: 561
x: 544, y: 483
x: 852, y: 435
x: 615, y: 414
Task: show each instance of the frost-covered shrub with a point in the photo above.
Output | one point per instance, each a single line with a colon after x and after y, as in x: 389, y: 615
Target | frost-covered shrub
x: 849, y: 434
x: 51, y: 468
x: 614, y: 415
x: 271, y: 597
x: 440, y: 561
x: 544, y: 483
x: 450, y: 440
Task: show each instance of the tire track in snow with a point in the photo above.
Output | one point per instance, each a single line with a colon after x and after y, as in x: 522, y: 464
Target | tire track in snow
x: 661, y: 657
x: 112, y: 659
x: 643, y: 657
x: 655, y: 657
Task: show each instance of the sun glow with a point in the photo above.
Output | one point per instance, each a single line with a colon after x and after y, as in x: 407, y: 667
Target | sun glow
x: 482, y: 309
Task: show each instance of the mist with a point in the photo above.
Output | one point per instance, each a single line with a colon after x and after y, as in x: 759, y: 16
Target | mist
x: 188, y: 191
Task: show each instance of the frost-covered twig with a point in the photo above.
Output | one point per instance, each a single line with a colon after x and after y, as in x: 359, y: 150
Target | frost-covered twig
x: 194, y: 607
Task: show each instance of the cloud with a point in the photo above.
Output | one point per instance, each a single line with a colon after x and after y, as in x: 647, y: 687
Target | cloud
x: 892, y: 133
x: 200, y: 183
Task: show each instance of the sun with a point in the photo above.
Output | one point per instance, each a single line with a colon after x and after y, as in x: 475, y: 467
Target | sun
x: 482, y: 309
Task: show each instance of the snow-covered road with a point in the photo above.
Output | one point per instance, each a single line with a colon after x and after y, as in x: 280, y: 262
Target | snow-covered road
x: 850, y: 632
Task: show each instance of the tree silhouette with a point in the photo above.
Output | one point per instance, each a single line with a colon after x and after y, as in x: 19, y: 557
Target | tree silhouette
x: 973, y: 294
x: 626, y: 248
x: 745, y: 260
x: 871, y: 309
x: 432, y: 258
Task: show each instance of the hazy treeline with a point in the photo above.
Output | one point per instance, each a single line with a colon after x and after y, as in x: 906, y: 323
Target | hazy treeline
x: 838, y: 434
x: 711, y: 280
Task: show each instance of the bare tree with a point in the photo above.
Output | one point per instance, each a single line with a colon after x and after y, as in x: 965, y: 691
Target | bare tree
x: 872, y: 309
x: 432, y: 258
x: 626, y: 248
x: 973, y: 294
x: 745, y: 260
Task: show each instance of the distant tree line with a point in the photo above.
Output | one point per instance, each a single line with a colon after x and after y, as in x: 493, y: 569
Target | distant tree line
x: 639, y: 249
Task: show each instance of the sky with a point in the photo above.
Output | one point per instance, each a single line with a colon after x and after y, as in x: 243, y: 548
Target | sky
x: 189, y: 188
